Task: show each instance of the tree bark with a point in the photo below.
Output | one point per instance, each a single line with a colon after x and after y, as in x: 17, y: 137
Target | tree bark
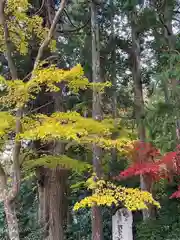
x: 9, y: 199
x: 53, y: 193
x: 138, y: 92
x: 122, y: 225
x: 58, y: 203
x: 97, y: 115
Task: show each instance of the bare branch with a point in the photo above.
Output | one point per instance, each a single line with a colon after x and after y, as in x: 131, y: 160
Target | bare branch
x: 41, y: 7
x: 75, y: 29
x: 50, y: 33
x: 38, y: 108
x: 70, y: 21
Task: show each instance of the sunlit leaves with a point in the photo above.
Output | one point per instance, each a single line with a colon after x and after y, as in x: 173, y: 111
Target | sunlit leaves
x: 7, y: 123
x: 61, y: 161
x: 71, y: 127
x: 22, y: 27
x: 108, y: 194
x: 51, y: 78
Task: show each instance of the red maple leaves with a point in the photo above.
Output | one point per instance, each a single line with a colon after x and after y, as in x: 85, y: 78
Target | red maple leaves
x: 146, y: 160
x: 140, y: 169
x: 176, y: 194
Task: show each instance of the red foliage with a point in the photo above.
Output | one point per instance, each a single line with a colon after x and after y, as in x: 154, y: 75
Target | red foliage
x: 140, y: 152
x: 140, y: 169
x: 168, y: 158
x: 176, y: 194
x: 146, y: 160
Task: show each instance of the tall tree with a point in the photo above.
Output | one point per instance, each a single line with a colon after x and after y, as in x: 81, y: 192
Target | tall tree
x: 138, y: 88
x: 96, y: 113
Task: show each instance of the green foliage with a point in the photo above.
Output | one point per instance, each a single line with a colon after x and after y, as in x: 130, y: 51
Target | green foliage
x: 27, y: 207
x: 166, y: 226
x: 161, y: 126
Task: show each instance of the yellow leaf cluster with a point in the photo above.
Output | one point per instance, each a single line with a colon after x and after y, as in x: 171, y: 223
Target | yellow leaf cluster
x: 62, y: 161
x: 108, y: 194
x: 71, y: 126
x: 22, y: 27
x: 7, y: 122
x: 19, y: 92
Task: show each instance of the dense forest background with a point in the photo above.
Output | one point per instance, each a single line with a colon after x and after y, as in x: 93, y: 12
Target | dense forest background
x: 89, y: 121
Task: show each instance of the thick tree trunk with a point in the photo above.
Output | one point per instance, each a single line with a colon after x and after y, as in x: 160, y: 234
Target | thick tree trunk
x: 138, y: 93
x: 113, y: 77
x: 53, y: 193
x: 53, y: 202
x: 58, y: 203
x: 122, y: 222
x: 97, y: 115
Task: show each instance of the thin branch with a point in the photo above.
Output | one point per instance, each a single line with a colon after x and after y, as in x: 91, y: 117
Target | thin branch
x: 76, y: 29
x: 38, y: 108
x: 50, y: 34
x: 67, y: 15
x: 41, y: 7
x: 165, y: 26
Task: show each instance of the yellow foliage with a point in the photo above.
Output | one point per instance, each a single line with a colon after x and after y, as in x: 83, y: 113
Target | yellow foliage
x: 52, y: 75
x: 91, y: 182
x: 71, y: 126
x: 107, y: 194
x: 7, y: 122
x: 19, y: 92
x: 22, y: 27
x: 62, y: 161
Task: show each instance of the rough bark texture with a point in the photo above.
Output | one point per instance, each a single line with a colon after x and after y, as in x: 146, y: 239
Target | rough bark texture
x: 53, y: 202
x: 97, y: 115
x: 113, y: 77
x: 53, y: 188
x: 138, y: 92
x: 122, y: 225
x: 12, y: 222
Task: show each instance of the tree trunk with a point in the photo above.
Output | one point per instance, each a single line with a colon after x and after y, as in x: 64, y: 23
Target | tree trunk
x: 122, y: 225
x: 53, y: 202
x: 113, y: 77
x: 57, y: 189
x: 11, y: 218
x: 138, y: 92
x: 58, y: 203
x: 97, y: 115
x: 9, y: 199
